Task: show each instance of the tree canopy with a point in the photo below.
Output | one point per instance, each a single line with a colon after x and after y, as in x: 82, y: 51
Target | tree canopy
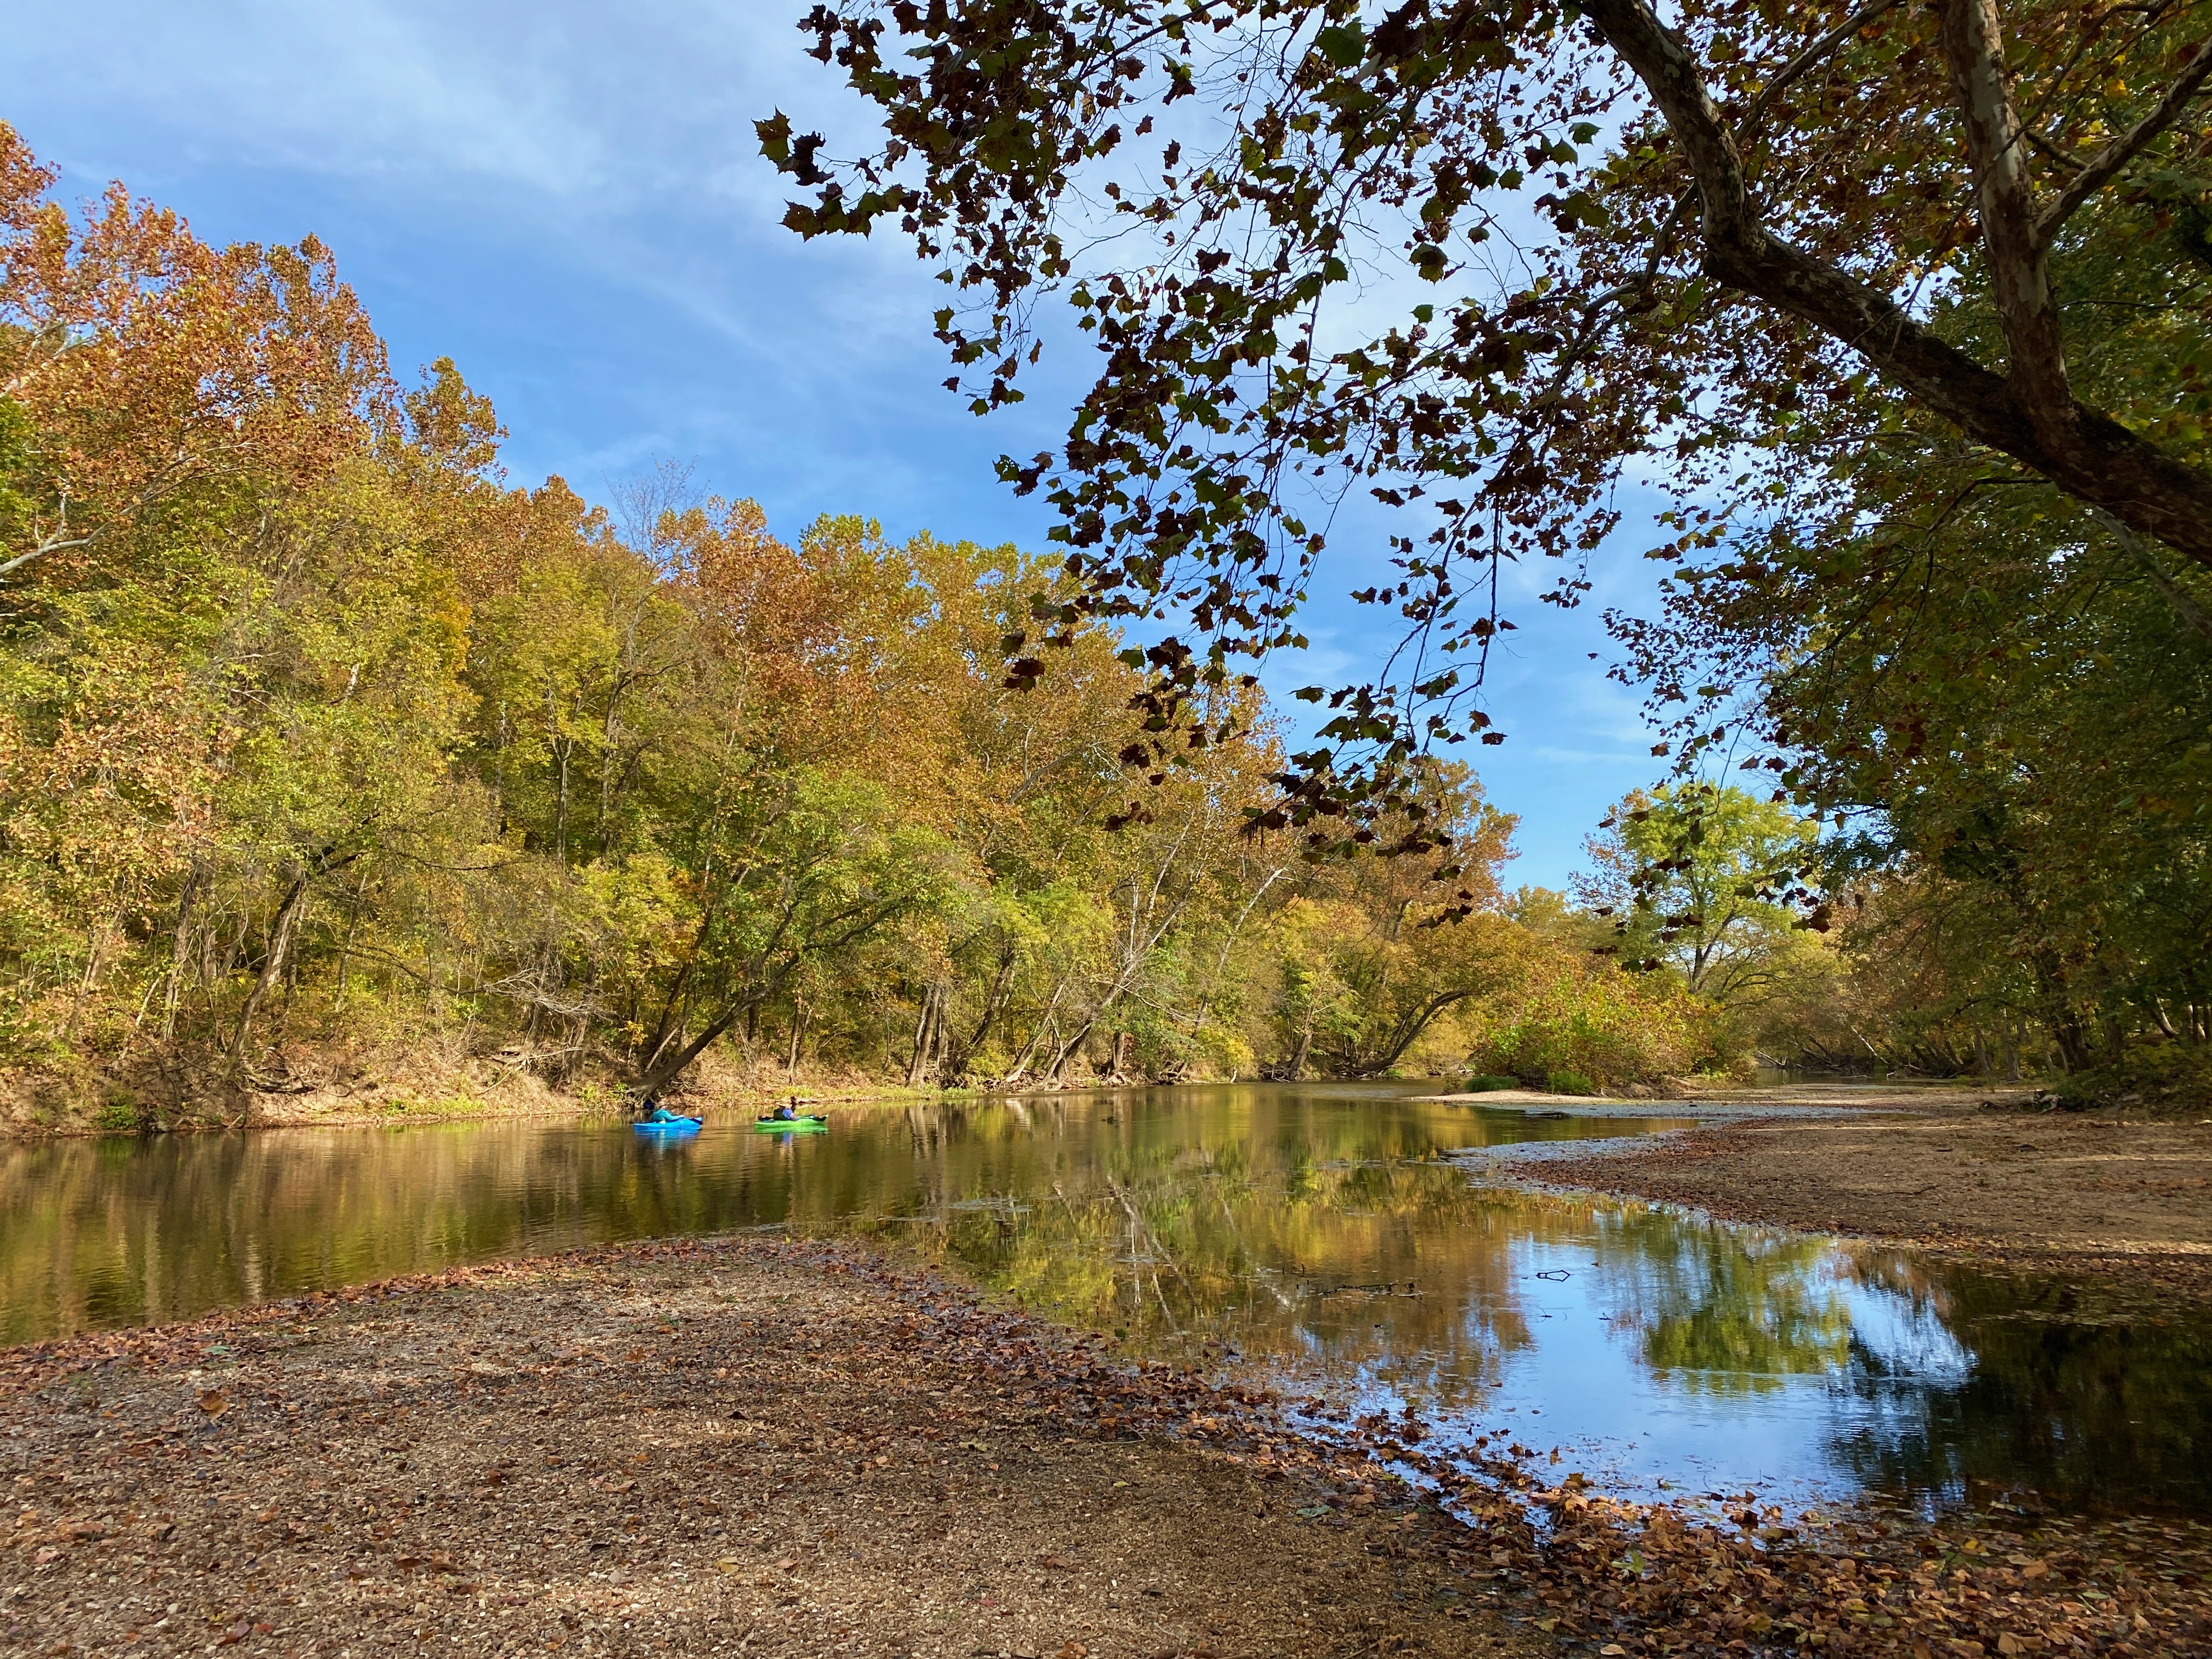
x: 331, y: 760
x: 1491, y: 259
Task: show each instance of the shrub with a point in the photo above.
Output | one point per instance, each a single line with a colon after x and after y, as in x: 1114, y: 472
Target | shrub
x: 1569, y: 1083
x: 2163, y: 1079
x: 1581, y: 1019
x: 117, y: 1113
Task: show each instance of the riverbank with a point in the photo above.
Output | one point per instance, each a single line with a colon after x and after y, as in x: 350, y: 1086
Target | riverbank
x: 747, y: 1445
x: 1952, y: 1172
x: 342, y: 1094
x: 335, y: 1090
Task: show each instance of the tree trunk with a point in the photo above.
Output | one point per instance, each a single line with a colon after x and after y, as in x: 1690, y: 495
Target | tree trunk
x: 272, y: 965
x: 798, y: 1036
x: 1067, y: 1049
x: 917, y: 1065
x: 672, y: 1065
x: 180, y: 948
x: 996, y: 1003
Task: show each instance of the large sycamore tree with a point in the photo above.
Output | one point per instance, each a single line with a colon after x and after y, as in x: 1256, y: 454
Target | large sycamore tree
x: 1489, y: 259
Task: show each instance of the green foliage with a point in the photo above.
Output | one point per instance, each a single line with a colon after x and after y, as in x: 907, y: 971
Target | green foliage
x: 1999, y: 696
x: 1704, y: 884
x: 1699, y: 880
x: 1572, y: 1013
x: 2150, y: 1079
x: 320, y: 745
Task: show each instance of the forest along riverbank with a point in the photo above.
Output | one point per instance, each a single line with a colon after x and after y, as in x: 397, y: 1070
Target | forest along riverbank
x: 745, y: 1444
x: 1950, y: 1172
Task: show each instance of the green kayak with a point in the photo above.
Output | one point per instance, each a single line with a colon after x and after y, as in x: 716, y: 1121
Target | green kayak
x: 790, y: 1125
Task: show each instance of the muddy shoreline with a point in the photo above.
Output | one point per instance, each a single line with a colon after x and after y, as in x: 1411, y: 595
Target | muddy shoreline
x: 747, y: 1445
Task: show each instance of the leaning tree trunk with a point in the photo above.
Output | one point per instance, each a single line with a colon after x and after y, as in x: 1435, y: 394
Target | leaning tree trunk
x: 272, y: 965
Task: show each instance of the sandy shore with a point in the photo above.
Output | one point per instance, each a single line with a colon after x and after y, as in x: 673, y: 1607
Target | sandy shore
x: 1950, y: 1171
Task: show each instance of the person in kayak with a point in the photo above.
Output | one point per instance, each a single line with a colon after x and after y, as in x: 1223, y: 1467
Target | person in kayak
x: 788, y: 1112
x: 661, y: 1114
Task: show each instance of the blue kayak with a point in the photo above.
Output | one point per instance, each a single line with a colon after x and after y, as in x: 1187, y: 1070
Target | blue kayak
x: 673, y: 1125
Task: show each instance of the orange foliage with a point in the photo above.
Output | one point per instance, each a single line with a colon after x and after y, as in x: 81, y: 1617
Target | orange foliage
x: 146, y: 360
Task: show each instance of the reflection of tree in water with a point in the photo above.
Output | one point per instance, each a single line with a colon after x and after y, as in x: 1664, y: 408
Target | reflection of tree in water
x: 1725, y: 1309
x: 2111, y: 1414
x: 1249, y: 1215
x: 1261, y: 1222
x: 1266, y: 1233
x: 1271, y: 1260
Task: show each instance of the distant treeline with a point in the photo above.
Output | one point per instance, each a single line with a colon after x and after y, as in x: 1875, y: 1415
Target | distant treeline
x: 321, y: 747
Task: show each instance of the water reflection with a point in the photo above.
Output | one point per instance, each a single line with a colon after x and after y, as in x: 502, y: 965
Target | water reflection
x: 1309, y: 1231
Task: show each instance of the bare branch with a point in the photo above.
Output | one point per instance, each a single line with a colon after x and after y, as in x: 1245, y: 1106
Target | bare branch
x: 2104, y: 167
x: 2179, y: 597
x: 40, y: 552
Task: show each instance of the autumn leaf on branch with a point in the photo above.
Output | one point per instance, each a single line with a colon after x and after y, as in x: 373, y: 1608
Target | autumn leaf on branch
x: 1706, y: 256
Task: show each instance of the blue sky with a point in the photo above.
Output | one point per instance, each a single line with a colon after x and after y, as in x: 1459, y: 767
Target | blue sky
x: 566, y: 198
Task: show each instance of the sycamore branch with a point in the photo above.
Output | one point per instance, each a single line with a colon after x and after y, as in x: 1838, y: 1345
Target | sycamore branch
x: 2020, y: 272
x: 2082, y: 450
x: 55, y: 541
x: 2101, y: 168
x: 1792, y: 70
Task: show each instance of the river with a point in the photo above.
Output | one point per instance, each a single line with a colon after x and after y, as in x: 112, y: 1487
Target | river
x: 1309, y: 1233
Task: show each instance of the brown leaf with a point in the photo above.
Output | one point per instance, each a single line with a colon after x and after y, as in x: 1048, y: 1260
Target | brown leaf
x: 214, y: 1402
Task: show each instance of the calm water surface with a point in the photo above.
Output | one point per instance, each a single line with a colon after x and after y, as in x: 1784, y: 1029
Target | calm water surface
x: 1305, y: 1230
